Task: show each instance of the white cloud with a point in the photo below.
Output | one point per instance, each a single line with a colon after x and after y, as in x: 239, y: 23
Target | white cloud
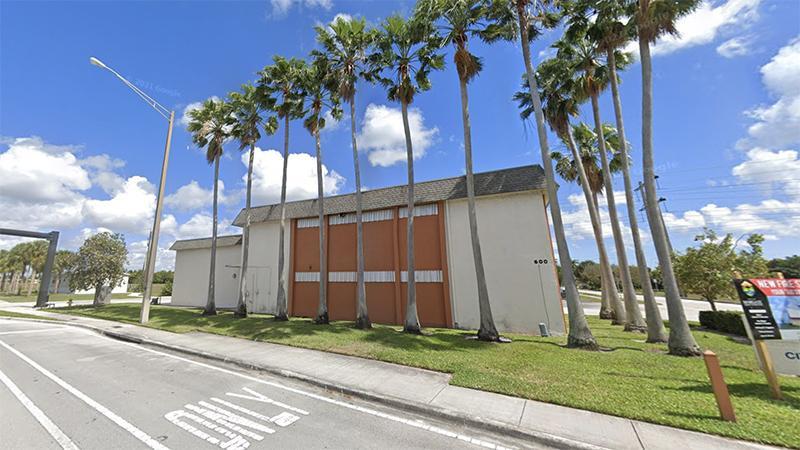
x: 31, y: 170
x: 383, y: 139
x: 690, y: 221
x: 301, y: 177
x: 185, y: 117
x: 578, y: 225
x: 165, y: 258
x: 331, y: 124
x: 738, y: 46
x: 771, y: 169
x: 705, y: 24
x: 192, y: 196
x: 130, y: 210
x: 778, y: 125
x: 281, y: 7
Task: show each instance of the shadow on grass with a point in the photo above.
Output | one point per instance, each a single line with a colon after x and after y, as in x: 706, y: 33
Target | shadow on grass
x: 753, y: 390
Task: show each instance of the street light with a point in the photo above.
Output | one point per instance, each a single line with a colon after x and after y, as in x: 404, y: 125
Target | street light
x: 152, y: 245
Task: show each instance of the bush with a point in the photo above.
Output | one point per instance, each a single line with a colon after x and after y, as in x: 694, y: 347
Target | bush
x: 724, y: 321
x: 166, y: 289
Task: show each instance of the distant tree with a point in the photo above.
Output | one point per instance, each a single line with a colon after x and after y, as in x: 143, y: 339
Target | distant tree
x: 64, y: 266
x: 160, y: 277
x: 588, y: 274
x: 707, y: 270
x: 101, y: 265
x: 166, y: 290
x: 789, y: 266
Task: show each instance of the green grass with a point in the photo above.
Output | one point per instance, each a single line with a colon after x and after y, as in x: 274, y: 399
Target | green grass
x: 17, y: 315
x: 55, y: 297
x: 629, y: 378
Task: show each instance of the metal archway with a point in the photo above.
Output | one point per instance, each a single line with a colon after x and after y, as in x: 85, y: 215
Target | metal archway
x: 44, y: 285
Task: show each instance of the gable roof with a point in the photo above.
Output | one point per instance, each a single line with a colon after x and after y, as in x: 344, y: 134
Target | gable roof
x: 517, y: 179
x: 192, y: 244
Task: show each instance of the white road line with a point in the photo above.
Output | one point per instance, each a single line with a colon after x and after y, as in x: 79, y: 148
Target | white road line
x: 63, y: 440
x: 38, y: 330
x: 412, y: 423
x: 125, y: 425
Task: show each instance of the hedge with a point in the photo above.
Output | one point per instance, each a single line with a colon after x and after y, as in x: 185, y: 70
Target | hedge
x: 724, y: 321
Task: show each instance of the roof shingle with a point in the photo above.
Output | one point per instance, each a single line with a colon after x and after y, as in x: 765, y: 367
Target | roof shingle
x: 517, y: 179
x: 192, y: 244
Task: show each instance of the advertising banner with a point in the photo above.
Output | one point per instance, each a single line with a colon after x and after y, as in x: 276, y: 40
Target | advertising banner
x: 772, y: 307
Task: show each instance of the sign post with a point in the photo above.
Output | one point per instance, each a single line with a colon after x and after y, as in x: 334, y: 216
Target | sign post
x: 770, y: 308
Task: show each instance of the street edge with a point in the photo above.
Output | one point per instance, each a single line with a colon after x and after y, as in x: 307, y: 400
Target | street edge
x: 414, y: 407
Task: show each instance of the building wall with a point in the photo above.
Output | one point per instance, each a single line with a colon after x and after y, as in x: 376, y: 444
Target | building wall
x: 190, y: 287
x: 262, y: 283
x: 514, y: 233
x: 63, y: 287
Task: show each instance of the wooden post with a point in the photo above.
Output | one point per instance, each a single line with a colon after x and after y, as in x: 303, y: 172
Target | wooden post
x: 769, y: 369
x: 719, y: 387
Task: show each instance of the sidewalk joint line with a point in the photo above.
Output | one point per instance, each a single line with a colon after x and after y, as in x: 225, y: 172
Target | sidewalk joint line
x: 522, y: 414
x: 437, y: 394
x: 636, y: 432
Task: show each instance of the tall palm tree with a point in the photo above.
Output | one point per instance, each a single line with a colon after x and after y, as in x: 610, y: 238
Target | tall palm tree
x: 562, y: 96
x: 586, y: 59
x: 528, y: 17
x: 283, y: 82
x: 654, y: 18
x: 248, y: 108
x: 320, y: 92
x: 210, y: 125
x: 611, y: 32
x: 459, y: 20
x: 345, y: 43
x: 405, y: 55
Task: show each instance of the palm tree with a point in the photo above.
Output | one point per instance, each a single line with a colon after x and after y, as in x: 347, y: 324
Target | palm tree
x: 210, y: 125
x: 320, y: 92
x: 460, y: 20
x: 405, y: 55
x: 527, y: 25
x: 653, y: 19
x: 584, y: 56
x: 282, y: 81
x: 345, y: 43
x: 248, y: 107
x: 562, y: 96
x: 64, y: 264
x: 611, y: 33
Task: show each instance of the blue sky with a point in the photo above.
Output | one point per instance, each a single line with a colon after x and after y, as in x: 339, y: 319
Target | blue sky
x: 79, y: 152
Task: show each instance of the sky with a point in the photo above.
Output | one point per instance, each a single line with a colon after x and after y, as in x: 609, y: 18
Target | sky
x: 81, y: 153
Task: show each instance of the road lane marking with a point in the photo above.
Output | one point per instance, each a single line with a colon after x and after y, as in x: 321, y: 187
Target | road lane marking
x: 122, y: 423
x: 227, y: 415
x: 264, y: 399
x: 37, y: 330
x: 63, y: 440
x: 412, y: 423
x: 283, y: 419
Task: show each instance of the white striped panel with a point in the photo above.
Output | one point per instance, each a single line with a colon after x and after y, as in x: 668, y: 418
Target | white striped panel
x: 370, y: 276
x: 311, y: 222
x: 423, y: 276
x: 379, y: 276
x: 367, y: 216
x: 306, y: 277
x: 431, y: 209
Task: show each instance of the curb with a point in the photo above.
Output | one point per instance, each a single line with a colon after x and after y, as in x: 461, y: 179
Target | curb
x: 414, y: 407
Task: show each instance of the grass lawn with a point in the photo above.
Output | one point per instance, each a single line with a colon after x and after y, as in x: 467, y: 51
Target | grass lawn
x: 55, y: 297
x: 630, y: 378
x: 22, y: 315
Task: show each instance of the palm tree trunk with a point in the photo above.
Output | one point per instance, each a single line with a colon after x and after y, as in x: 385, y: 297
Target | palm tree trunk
x: 681, y: 342
x: 241, y: 305
x: 322, y: 308
x: 487, y: 330
x: 580, y: 335
x: 634, y: 321
x: 655, y: 325
x: 610, y: 288
x: 362, y: 316
x: 31, y: 280
x: 606, y: 311
x: 281, y: 307
x: 211, y: 307
x: 411, y: 324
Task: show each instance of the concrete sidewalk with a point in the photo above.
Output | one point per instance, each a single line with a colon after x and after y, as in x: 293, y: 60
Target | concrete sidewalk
x: 418, y: 390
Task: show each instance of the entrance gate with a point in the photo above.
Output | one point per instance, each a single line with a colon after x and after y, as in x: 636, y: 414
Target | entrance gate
x: 44, y: 285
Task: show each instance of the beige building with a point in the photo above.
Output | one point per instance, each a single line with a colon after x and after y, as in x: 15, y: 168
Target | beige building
x: 515, y: 240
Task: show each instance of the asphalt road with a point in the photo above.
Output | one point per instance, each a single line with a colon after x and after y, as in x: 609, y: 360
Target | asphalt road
x: 65, y: 387
x: 691, y: 308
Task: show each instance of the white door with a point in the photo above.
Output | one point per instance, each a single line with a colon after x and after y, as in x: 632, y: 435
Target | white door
x: 258, y: 289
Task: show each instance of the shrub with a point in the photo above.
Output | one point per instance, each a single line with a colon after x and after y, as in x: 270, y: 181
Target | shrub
x: 166, y: 290
x: 724, y: 321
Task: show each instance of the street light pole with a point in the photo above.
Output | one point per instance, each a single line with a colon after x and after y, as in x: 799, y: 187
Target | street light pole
x: 152, y: 246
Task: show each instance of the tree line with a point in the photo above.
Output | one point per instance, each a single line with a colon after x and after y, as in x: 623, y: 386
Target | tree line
x: 399, y: 54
